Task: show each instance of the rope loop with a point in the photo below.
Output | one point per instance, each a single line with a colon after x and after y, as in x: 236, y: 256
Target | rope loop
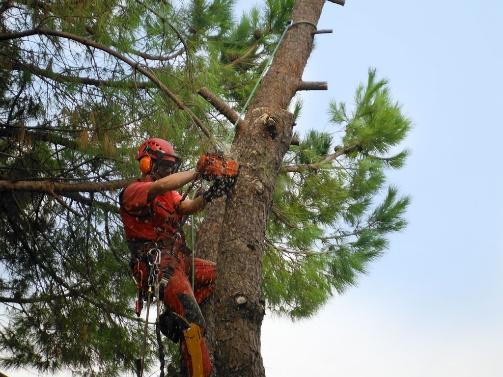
x: 289, y: 25
x: 295, y: 23
x: 262, y: 75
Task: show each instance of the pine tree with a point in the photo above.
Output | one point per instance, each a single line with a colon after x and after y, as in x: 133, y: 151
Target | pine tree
x: 83, y: 83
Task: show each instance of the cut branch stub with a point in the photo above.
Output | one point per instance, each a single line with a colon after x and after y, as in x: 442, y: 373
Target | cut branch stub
x: 295, y: 140
x: 271, y: 127
x: 323, y: 31
x: 313, y: 85
x: 339, y: 2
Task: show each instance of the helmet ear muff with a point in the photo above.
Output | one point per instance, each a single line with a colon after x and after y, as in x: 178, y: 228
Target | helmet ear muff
x: 146, y: 164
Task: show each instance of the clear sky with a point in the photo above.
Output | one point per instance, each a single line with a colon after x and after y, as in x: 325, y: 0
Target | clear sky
x: 433, y: 305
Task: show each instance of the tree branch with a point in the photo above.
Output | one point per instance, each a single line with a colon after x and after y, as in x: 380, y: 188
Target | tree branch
x: 164, y: 20
x: 87, y: 201
x: 33, y: 299
x: 247, y: 53
x: 16, y: 35
x: 322, y: 31
x: 319, y: 165
x: 62, y: 202
x: 220, y: 105
x: 5, y: 6
x: 146, y: 56
x: 135, y: 65
x: 312, y: 85
x: 339, y: 2
x: 21, y: 133
x: 79, y: 80
x: 51, y: 186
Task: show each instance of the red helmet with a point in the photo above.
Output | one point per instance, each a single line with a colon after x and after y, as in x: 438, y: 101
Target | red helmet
x: 153, y: 150
x: 157, y: 149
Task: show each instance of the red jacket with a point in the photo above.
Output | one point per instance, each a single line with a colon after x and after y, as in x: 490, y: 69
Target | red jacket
x: 143, y: 220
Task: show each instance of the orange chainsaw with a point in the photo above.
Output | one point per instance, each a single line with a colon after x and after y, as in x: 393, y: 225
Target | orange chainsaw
x: 221, y: 171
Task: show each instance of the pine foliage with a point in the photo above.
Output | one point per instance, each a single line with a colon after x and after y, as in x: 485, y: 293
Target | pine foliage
x: 330, y: 218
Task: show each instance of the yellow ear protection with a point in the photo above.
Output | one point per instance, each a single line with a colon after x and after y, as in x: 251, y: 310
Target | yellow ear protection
x: 146, y: 164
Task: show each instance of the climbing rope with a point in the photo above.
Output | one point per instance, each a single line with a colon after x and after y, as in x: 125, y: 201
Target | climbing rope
x: 192, y: 241
x: 160, y: 346
x: 153, y: 283
x: 289, y: 25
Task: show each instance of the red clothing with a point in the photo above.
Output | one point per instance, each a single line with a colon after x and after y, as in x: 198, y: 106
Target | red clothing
x: 154, y: 224
x: 144, y: 220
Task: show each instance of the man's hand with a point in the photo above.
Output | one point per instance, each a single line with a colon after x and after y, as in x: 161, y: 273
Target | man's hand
x: 219, y: 187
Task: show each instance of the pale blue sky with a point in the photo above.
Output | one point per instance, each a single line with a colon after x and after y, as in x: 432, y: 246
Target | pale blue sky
x: 432, y: 306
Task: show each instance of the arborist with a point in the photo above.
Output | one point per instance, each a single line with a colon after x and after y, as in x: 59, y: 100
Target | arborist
x: 153, y: 212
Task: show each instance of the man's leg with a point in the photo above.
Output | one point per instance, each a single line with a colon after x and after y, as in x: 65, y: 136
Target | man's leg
x: 179, y: 298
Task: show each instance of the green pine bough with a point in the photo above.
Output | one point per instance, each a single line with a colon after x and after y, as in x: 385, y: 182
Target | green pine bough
x: 331, y: 216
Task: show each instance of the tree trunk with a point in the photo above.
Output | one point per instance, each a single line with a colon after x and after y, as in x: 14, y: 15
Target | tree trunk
x: 259, y: 146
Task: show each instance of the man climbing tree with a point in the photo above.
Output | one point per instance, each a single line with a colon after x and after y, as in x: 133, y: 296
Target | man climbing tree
x: 153, y: 213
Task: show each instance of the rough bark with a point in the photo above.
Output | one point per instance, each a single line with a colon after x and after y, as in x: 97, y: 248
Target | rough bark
x: 239, y: 307
x: 208, y: 238
x: 281, y: 82
x: 260, y: 144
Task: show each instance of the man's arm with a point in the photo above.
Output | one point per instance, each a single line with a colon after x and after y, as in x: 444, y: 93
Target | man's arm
x: 170, y: 183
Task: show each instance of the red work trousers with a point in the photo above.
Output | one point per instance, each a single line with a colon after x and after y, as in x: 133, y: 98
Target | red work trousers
x: 178, y: 295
